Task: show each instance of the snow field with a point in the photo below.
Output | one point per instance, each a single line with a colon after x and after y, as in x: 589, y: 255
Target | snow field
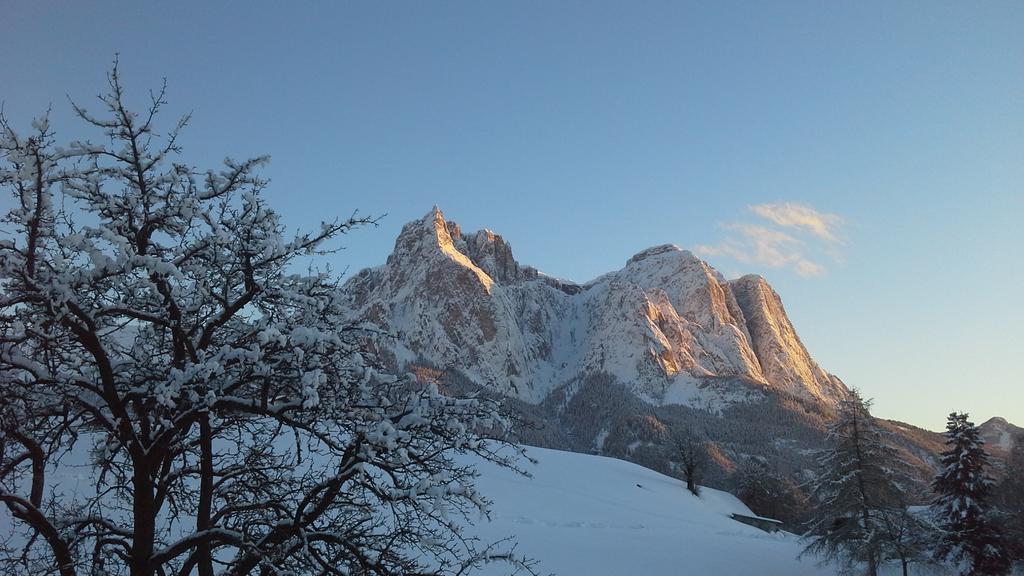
x: 592, y: 515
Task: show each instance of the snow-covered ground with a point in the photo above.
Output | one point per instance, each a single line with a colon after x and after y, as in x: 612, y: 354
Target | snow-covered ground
x: 592, y: 515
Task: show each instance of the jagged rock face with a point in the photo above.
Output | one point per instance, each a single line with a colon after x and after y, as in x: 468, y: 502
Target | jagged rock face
x: 490, y: 252
x: 783, y: 359
x: 667, y: 325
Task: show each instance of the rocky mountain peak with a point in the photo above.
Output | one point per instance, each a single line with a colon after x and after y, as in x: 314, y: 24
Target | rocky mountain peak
x: 658, y: 250
x: 665, y: 326
x: 1000, y: 434
x: 423, y: 236
x: 484, y: 253
x: 491, y: 253
x: 750, y: 280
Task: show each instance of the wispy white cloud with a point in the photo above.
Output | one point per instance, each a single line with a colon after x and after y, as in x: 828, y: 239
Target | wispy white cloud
x: 789, y: 236
x: 801, y: 216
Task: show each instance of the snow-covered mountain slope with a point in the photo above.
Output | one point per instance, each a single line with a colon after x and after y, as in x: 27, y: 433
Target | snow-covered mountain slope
x: 592, y: 515
x: 667, y: 325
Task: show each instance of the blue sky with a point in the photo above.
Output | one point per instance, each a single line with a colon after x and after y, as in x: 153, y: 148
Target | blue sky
x: 585, y: 132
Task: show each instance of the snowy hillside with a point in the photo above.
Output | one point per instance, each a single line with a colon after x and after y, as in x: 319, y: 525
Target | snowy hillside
x: 593, y: 515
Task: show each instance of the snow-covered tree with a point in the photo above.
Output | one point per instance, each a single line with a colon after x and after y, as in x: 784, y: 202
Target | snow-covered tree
x: 962, y: 502
x: 857, y: 485
x: 178, y: 399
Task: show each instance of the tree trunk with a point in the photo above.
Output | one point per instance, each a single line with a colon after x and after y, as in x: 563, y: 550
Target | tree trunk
x: 144, y: 516
x: 204, y: 553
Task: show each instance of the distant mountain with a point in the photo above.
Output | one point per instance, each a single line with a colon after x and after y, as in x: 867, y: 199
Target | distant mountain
x: 999, y: 435
x: 667, y: 326
x: 610, y: 365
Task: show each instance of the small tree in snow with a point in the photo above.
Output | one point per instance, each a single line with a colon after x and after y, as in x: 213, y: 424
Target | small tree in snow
x: 856, y: 487
x: 907, y: 538
x: 689, y: 451
x: 962, y: 504
x: 177, y: 400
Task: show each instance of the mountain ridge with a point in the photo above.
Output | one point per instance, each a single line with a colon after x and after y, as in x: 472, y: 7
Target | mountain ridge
x: 666, y: 322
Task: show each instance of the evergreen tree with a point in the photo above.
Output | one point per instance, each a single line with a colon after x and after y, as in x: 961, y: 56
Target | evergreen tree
x: 857, y: 487
x: 962, y: 502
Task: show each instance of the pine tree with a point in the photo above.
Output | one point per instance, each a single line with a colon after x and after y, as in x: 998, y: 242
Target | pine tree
x: 856, y: 488
x: 962, y: 502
